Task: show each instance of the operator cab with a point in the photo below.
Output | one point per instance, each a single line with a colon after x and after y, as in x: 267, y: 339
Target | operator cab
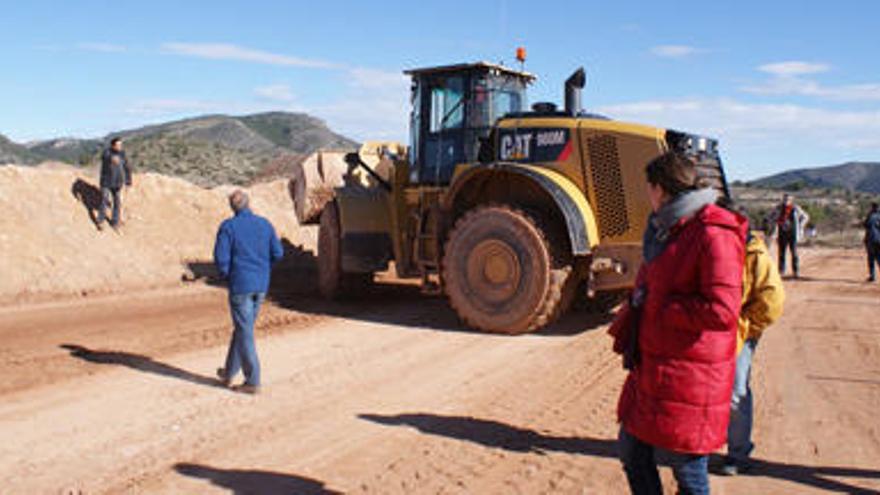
x: 453, y: 108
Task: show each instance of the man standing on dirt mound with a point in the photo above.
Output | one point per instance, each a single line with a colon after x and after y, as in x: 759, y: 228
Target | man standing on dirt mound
x: 789, y: 221
x: 245, y: 250
x: 115, y: 172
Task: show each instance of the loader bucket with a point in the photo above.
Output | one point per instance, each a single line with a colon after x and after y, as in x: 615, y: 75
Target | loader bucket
x: 316, y: 179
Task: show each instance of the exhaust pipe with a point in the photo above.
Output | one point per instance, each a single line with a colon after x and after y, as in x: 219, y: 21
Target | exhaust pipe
x: 573, y: 86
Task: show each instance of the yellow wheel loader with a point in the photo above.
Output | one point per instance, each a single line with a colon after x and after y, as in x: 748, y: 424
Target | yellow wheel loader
x: 510, y: 212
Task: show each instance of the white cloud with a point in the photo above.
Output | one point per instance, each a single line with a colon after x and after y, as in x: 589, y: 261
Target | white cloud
x: 675, y: 51
x: 227, y: 51
x: 758, y: 139
x: 275, y: 92
x: 793, y: 68
x: 375, y: 79
x: 375, y: 105
x: 753, y: 126
x: 101, y: 47
x: 805, y: 87
x: 790, y: 78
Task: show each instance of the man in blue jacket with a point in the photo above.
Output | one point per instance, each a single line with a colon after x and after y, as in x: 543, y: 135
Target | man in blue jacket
x: 245, y: 250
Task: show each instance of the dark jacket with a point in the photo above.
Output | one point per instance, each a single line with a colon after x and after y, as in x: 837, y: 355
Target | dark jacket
x: 872, y: 228
x: 114, y: 176
x: 678, y: 395
x: 245, y: 250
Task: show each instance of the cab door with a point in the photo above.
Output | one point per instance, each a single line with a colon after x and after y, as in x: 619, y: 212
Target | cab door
x: 443, y: 107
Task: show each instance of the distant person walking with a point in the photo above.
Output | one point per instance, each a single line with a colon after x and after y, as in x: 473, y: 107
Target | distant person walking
x: 788, y: 220
x: 762, y: 300
x: 678, y: 332
x: 245, y: 250
x: 115, y: 172
x: 872, y: 240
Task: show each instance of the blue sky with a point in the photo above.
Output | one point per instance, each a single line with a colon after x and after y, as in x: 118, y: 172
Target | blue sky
x: 782, y: 83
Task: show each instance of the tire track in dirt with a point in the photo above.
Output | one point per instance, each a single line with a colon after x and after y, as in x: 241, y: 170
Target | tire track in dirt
x: 508, y: 449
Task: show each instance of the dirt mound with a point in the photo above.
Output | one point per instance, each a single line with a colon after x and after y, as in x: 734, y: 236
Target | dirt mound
x: 49, y: 243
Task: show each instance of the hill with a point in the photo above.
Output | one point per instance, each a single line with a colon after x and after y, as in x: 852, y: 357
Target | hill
x: 855, y: 176
x: 11, y: 152
x: 208, y: 150
x: 68, y: 150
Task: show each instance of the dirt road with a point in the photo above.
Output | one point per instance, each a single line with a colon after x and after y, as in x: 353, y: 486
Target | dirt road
x: 390, y: 395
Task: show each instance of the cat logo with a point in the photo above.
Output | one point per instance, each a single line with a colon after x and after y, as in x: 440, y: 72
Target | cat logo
x: 533, y: 145
x: 516, y: 146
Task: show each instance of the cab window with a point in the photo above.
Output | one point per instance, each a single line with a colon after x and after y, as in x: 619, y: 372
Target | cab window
x: 505, y: 102
x: 447, y: 105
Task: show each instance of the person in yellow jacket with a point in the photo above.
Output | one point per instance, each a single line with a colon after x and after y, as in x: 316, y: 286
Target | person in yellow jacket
x: 763, y: 297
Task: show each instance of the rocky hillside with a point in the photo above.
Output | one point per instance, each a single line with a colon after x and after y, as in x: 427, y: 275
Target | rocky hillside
x: 68, y: 150
x: 11, y: 152
x: 209, y: 150
x: 856, y: 176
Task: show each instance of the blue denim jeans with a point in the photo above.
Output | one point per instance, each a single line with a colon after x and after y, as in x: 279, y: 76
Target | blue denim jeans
x: 243, y: 348
x: 739, y: 431
x: 639, y: 459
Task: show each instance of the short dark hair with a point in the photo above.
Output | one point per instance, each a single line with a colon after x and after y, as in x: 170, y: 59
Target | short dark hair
x: 115, y: 140
x: 673, y: 172
x: 875, y: 206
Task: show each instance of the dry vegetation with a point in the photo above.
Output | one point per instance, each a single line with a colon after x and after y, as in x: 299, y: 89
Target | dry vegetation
x: 837, y: 214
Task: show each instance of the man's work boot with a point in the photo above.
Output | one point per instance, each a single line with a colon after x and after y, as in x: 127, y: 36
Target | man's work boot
x: 247, y: 389
x: 224, y: 380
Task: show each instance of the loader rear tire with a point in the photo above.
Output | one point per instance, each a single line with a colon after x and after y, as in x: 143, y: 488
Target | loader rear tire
x: 500, y: 273
x: 333, y: 283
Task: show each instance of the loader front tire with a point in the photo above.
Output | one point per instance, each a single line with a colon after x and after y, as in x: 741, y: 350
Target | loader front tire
x: 500, y: 273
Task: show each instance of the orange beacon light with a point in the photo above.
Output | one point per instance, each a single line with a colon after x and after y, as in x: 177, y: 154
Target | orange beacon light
x: 521, y: 54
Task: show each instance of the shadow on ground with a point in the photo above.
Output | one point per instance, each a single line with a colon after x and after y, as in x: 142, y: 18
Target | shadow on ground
x: 90, y: 197
x: 388, y: 301
x: 817, y: 280
x: 495, y: 434
x: 138, y: 362
x: 243, y: 482
x: 814, y: 476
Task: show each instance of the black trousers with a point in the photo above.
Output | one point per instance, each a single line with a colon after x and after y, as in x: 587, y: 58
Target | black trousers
x: 873, y: 250
x: 108, y: 195
x: 788, y: 242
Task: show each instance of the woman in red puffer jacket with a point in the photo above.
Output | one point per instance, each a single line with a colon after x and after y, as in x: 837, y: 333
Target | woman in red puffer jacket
x: 678, y: 331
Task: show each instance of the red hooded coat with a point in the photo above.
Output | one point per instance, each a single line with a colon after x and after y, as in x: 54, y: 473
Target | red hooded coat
x: 678, y: 396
